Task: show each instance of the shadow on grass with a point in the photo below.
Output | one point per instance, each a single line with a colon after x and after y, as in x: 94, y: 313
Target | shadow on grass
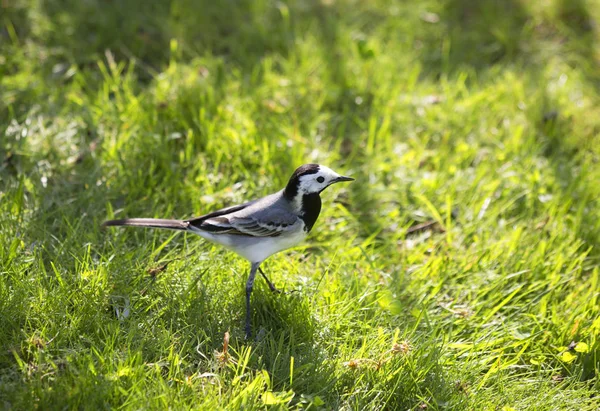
x: 577, y: 27
x: 565, y: 152
x: 80, y: 32
x: 476, y: 35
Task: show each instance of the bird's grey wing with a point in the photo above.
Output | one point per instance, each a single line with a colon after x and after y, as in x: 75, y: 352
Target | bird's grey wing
x: 197, y: 221
x: 260, y: 222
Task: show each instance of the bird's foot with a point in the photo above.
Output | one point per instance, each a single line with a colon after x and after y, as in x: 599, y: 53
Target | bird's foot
x: 269, y: 283
x: 274, y: 289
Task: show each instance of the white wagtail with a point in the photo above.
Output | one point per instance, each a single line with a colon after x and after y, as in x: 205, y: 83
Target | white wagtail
x: 260, y: 228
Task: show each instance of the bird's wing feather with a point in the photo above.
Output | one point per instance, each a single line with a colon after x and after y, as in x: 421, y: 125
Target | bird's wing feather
x: 254, y: 224
x: 221, y: 212
x: 266, y: 217
x: 273, y: 226
x: 217, y: 219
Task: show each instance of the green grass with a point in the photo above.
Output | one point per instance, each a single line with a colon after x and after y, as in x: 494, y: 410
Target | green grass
x: 481, y: 116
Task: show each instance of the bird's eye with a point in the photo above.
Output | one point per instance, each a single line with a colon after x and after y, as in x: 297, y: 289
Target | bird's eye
x: 320, y: 179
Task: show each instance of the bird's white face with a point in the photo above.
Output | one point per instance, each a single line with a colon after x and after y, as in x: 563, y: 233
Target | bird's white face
x: 319, y: 181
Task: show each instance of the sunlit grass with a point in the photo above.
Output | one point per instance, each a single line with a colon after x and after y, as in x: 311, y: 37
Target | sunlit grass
x: 480, y: 121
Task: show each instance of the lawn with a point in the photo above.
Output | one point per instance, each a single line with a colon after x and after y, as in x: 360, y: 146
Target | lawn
x: 461, y: 270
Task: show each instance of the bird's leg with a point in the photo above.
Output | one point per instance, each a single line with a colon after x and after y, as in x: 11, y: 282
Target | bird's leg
x: 249, y: 285
x: 271, y: 286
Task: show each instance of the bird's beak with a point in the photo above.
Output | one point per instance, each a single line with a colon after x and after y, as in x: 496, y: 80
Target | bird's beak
x: 342, y: 178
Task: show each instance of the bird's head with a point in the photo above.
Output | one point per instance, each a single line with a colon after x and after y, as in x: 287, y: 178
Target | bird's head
x: 312, y: 179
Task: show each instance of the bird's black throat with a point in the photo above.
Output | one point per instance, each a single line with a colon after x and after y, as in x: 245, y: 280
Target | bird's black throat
x: 311, y: 203
x: 311, y: 207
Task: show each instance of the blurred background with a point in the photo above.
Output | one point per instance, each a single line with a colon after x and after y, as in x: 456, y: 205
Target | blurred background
x: 472, y: 128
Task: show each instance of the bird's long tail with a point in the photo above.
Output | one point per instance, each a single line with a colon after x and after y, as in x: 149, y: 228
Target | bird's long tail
x: 149, y: 223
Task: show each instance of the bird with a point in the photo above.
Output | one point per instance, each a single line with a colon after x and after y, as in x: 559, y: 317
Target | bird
x: 258, y: 229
